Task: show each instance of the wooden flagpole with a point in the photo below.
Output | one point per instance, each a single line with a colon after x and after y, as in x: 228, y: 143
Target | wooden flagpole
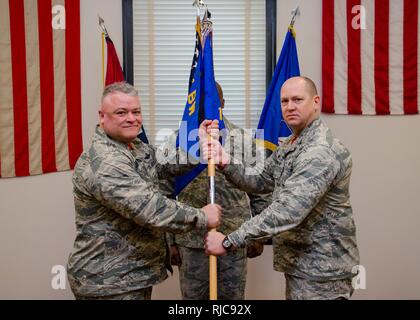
x: 211, y: 170
x: 212, y: 259
x: 103, y: 58
x: 103, y: 35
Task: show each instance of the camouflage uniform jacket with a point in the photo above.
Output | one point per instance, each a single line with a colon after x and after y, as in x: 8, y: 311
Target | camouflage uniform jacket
x: 235, y: 203
x: 121, y: 218
x: 311, y: 209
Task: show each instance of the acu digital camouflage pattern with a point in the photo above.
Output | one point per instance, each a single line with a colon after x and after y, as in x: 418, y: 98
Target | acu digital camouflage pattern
x: 232, y: 268
x: 235, y: 203
x: 121, y: 218
x: 194, y: 274
x: 305, y: 289
x: 311, y: 209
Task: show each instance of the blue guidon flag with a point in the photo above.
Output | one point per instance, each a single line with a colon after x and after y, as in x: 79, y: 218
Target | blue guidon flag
x: 203, y: 100
x: 271, y: 119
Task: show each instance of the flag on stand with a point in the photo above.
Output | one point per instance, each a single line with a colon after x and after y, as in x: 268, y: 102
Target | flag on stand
x: 271, y: 120
x: 370, y: 63
x: 114, y: 73
x: 40, y: 87
x: 203, y: 99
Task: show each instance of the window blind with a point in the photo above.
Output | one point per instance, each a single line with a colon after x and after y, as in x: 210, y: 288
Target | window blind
x: 163, y: 47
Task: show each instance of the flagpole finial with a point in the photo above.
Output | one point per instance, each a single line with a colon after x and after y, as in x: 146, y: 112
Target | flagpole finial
x: 102, y: 25
x: 199, y: 3
x: 295, y: 13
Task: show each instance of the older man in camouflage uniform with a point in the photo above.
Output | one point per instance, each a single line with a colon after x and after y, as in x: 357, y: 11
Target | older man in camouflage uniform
x: 121, y: 218
x: 311, y: 212
x: 188, y: 249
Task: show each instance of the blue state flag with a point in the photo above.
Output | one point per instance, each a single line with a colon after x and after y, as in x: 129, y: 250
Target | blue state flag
x: 202, y: 103
x: 271, y: 119
x: 191, y: 116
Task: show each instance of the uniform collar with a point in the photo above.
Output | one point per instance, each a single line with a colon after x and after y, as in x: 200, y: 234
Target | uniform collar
x: 308, y: 132
x: 101, y: 135
x: 289, y: 145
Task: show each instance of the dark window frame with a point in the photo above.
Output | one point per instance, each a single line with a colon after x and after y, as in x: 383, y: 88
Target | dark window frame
x: 270, y: 43
x: 128, y: 51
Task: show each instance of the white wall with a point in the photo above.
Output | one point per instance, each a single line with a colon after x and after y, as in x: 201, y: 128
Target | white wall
x: 37, y: 214
x: 385, y: 185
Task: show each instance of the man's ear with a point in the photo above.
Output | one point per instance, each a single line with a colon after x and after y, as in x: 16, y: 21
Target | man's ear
x: 101, y: 116
x: 317, y: 103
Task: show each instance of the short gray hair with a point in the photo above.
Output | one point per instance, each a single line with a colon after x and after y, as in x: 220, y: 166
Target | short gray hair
x: 122, y: 87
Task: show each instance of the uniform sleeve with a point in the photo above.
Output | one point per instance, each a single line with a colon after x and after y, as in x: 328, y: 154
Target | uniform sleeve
x: 167, y: 186
x: 121, y: 188
x: 313, y: 174
x: 170, y: 239
x: 259, y: 202
x: 257, y: 179
x: 172, y: 161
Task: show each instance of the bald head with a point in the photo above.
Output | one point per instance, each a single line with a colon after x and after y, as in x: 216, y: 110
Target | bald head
x: 310, y: 86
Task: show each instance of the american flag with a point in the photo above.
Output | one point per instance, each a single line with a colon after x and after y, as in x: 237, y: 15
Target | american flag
x: 370, y: 57
x: 40, y: 86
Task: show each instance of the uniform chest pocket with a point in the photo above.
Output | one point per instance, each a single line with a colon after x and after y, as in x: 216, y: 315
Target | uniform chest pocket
x: 283, y: 171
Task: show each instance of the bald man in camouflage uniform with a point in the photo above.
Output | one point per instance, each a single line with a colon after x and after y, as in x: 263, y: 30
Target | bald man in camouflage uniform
x: 188, y: 249
x: 120, y: 250
x: 311, y: 213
